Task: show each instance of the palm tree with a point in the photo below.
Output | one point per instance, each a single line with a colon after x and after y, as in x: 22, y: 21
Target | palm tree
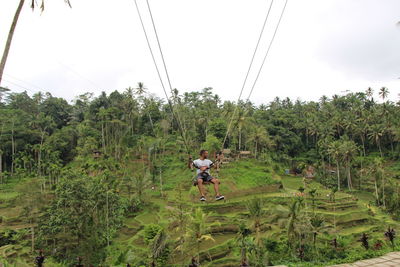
x: 12, y: 30
x: 317, y: 226
x: 348, y: 150
x: 256, y: 212
x: 260, y: 138
x: 294, y: 209
x: 384, y: 92
x: 313, y: 193
x: 241, y: 121
x: 334, y: 151
x: 333, y: 198
x: 3, y: 91
x: 258, y: 254
x: 361, y: 130
x: 198, y: 229
x: 158, y: 245
x: 141, y: 89
x: 369, y: 92
x: 241, y: 239
x: 377, y: 171
x: 376, y: 132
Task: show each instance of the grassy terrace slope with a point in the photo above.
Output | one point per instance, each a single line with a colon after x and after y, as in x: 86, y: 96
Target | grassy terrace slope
x: 350, y: 214
x: 241, y: 181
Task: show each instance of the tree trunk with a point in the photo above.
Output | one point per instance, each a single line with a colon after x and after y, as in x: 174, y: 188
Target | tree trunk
x: 240, y: 138
x: 151, y: 123
x: 338, y: 174
x: 107, y: 220
x: 314, y: 239
x: 391, y: 144
x: 33, y: 239
x: 379, y: 146
x: 12, y: 148
x: 161, y: 184
x: 243, y: 253
x: 334, y: 213
x: 383, y: 191
x: 376, y: 192
x: 40, y: 154
x: 306, y: 137
x: 1, y: 163
x: 198, y: 252
x: 349, y: 182
x: 103, y: 138
x: 9, y: 39
x: 363, y: 143
x: 361, y: 175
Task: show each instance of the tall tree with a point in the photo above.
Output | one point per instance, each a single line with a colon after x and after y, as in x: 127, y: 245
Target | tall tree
x: 384, y: 92
x: 256, y: 212
x: 334, y: 151
x: 348, y: 150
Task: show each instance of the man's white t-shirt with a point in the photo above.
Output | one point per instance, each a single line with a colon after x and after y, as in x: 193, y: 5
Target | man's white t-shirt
x: 202, y: 163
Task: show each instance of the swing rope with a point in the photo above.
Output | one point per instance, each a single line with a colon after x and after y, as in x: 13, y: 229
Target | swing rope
x: 266, y: 54
x: 260, y: 69
x: 175, y: 116
x: 247, y: 75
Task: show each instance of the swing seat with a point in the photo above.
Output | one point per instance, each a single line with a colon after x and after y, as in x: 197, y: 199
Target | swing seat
x: 195, y: 183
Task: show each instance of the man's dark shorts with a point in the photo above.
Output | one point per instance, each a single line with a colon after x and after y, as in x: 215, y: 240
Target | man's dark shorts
x: 205, y: 177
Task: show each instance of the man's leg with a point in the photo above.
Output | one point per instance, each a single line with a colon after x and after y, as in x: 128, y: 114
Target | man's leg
x: 215, y: 181
x: 201, y: 187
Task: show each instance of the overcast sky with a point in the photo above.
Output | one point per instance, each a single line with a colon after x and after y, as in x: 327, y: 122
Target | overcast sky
x: 322, y: 47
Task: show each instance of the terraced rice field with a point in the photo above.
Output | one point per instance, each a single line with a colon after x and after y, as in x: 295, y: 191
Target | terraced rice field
x: 346, y: 215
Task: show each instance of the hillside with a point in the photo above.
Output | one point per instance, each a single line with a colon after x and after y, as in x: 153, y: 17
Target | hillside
x: 345, y: 218
x: 104, y: 181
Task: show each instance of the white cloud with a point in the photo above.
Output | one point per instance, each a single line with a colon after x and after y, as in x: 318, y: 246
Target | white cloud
x: 322, y: 47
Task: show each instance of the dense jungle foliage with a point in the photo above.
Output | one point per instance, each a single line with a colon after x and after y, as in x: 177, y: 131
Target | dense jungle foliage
x: 103, y: 180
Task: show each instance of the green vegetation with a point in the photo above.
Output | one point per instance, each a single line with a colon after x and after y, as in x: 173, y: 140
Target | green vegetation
x: 105, y: 178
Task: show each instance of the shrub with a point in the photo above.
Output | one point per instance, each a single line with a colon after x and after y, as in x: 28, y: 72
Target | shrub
x: 150, y: 231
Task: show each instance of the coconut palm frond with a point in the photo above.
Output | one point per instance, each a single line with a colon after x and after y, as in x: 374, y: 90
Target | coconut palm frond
x: 34, y: 4
x: 159, y: 243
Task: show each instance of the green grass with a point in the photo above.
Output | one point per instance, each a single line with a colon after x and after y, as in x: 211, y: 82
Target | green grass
x: 247, y: 174
x: 7, y: 196
x: 240, y: 182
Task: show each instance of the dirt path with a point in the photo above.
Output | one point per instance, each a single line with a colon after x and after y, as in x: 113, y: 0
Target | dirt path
x: 389, y: 260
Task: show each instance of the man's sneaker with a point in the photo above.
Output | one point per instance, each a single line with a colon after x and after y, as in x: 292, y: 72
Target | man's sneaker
x: 219, y: 197
x: 202, y: 199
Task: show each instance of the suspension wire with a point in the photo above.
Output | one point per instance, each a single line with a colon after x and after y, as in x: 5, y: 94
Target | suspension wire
x: 23, y: 81
x: 159, y: 46
x: 166, y: 69
x: 19, y: 85
x: 159, y: 76
x: 266, y: 54
x: 247, y: 75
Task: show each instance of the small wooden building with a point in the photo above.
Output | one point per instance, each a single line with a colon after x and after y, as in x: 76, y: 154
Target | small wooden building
x: 244, y: 154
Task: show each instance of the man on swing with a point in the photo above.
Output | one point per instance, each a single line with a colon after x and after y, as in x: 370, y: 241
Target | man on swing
x: 203, y: 166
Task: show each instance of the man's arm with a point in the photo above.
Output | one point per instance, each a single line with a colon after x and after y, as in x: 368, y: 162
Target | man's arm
x: 212, y: 165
